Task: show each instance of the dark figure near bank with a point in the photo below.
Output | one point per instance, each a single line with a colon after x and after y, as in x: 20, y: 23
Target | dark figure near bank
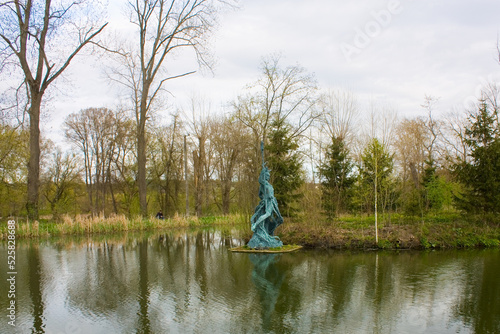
x: 159, y: 215
x: 267, y: 215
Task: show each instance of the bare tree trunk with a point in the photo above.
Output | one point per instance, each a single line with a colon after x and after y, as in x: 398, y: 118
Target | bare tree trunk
x: 199, y: 182
x: 376, y: 200
x: 34, y: 159
x: 141, y: 150
x: 110, y: 183
x: 225, y: 194
x: 88, y: 180
x: 141, y: 169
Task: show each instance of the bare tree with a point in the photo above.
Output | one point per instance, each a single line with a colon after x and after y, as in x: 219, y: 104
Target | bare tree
x: 166, y: 156
x: 432, y: 126
x: 163, y: 27
x: 125, y: 169
x: 282, y: 98
x: 94, y: 132
x: 410, y: 147
x: 34, y: 33
x: 491, y: 95
x: 199, y: 128
x: 247, y: 111
x: 453, y: 134
x: 284, y: 95
x: 229, y: 139
x: 339, y: 112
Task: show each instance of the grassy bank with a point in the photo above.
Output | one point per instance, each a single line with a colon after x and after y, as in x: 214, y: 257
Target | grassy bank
x: 398, y: 232
x: 86, y: 225
x: 351, y: 232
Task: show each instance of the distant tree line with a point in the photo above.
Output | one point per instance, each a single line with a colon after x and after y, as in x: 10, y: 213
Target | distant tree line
x: 323, y: 157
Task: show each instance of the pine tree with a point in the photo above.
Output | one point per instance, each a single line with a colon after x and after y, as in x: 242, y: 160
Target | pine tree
x: 481, y: 175
x: 286, y: 166
x: 337, y: 178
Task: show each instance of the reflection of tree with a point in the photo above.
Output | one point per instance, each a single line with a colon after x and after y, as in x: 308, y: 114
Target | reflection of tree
x: 480, y: 305
x: 144, y: 323
x: 200, y: 270
x: 35, y: 281
x: 268, y: 280
x: 104, y: 279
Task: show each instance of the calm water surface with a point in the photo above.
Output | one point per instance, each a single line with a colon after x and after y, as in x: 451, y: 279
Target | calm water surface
x: 188, y: 282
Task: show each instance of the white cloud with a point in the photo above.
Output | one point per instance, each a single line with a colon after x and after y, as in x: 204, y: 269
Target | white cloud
x: 443, y: 48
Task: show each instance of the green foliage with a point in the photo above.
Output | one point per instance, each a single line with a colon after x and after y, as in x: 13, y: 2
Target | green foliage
x: 386, y: 244
x: 286, y: 166
x: 481, y: 175
x: 411, y: 201
x: 375, y: 173
x: 59, y: 182
x: 337, y: 178
x: 432, y: 195
x: 14, y: 155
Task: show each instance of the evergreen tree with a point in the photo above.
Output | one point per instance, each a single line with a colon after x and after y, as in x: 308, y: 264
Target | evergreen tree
x: 286, y: 166
x: 430, y: 183
x: 481, y: 175
x: 337, y: 178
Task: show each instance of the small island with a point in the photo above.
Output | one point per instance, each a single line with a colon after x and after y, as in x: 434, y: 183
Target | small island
x: 282, y: 249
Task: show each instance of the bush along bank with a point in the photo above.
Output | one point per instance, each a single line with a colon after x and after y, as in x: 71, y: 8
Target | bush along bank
x: 401, y: 233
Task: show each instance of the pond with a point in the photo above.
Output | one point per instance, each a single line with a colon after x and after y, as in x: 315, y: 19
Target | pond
x: 183, y: 281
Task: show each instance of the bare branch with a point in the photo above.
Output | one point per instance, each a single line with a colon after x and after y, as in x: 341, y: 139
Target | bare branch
x: 48, y: 81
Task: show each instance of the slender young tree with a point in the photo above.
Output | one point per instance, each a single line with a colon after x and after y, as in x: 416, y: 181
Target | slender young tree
x: 44, y: 37
x: 375, y: 172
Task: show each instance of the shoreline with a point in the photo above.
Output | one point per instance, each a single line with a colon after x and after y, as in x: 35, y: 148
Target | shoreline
x: 439, y: 232
x: 347, y: 233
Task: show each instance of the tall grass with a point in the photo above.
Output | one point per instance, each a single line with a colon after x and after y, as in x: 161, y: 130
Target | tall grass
x: 348, y: 232
x: 83, y: 225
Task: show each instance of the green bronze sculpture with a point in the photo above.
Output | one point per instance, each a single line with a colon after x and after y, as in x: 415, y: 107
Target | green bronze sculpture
x: 267, y: 215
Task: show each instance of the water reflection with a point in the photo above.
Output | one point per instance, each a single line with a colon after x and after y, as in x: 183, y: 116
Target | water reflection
x: 268, y: 280
x: 188, y: 282
x: 35, y: 279
x: 144, y: 324
x: 479, y: 306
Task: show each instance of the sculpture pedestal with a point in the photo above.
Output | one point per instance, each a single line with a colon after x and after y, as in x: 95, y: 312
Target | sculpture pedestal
x: 264, y: 241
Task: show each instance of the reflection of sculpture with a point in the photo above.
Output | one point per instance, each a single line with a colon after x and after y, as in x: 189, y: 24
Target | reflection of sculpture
x: 267, y: 214
x: 268, y: 280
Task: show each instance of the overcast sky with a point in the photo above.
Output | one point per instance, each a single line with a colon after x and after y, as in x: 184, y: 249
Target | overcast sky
x: 389, y: 52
